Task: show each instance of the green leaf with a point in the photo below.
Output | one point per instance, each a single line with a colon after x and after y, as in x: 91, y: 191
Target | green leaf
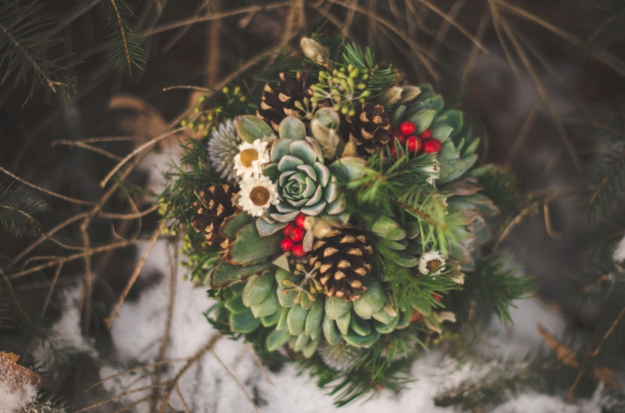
x: 234, y: 223
x: 360, y: 326
x: 387, y: 328
x: 257, y: 289
x: 277, y: 339
x: 301, y: 341
x: 370, y: 301
x: 361, y: 341
x: 236, y: 305
x: 271, y: 319
x: 296, y: 320
x: 343, y: 322
x: 292, y: 128
x: 405, y: 319
x: 422, y: 305
x: 225, y: 274
x: 249, y: 247
x: 313, y: 321
x: 269, y: 305
x: 336, y: 307
x: 423, y: 119
x: 441, y: 131
x: 330, y: 331
x: 251, y: 128
x: 243, y: 322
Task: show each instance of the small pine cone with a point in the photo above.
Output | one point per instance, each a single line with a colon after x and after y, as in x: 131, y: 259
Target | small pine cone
x: 368, y: 129
x: 216, y: 205
x: 342, y: 259
x: 289, y: 97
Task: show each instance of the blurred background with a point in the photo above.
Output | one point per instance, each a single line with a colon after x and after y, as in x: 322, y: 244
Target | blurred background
x: 84, y: 83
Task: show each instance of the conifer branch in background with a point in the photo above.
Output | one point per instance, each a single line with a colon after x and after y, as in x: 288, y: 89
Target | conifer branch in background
x: 125, y: 47
x: 17, y: 208
x: 24, y: 41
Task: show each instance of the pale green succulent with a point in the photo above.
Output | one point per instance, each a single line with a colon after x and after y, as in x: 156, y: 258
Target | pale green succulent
x: 305, y: 184
x: 304, y: 320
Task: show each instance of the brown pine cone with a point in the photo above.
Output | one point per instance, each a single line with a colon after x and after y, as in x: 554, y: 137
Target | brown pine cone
x: 342, y: 261
x: 215, y: 206
x: 369, y: 129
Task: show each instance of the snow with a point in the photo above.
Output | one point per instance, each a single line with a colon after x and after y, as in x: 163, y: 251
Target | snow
x: 619, y: 252
x: 15, y: 394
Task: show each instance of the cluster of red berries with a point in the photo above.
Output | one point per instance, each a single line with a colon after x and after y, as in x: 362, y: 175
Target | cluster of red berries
x: 424, y: 142
x: 294, y: 233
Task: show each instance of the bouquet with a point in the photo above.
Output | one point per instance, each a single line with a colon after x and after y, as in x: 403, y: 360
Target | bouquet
x: 333, y: 215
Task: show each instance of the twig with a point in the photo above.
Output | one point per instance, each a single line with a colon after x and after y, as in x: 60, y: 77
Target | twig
x: 216, y: 16
x: 133, y: 277
x: 543, y: 96
x: 444, y: 29
x: 518, y: 142
x: 130, y: 216
x: 145, y: 366
x: 54, y: 194
x: 116, y: 397
x: 548, y: 227
x: 497, y: 24
x: 231, y: 374
x: 260, y: 364
x: 570, y: 397
x: 122, y: 30
x: 88, y: 147
x: 190, y: 361
x: 139, y: 150
x: 198, y: 88
x: 181, y: 397
x: 51, y: 290
x: 479, y: 34
x: 133, y: 404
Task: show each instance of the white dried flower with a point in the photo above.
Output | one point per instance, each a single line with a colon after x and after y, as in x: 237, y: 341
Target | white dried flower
x: 434, y: 171
x: 248, y: 163
x: 257, y: 194
x: 431, y: 263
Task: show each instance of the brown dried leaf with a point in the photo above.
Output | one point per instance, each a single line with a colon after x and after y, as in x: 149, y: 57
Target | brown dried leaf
x: 606, y: 376
x: 17, y: 376
x: 564, y: 354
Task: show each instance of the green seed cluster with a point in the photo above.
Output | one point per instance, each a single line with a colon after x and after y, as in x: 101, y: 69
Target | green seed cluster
x: 204, y: 117
x: 345, y: 86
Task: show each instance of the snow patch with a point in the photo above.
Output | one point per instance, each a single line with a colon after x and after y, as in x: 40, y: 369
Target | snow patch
x: 15, y: 395
x: 619, y: 253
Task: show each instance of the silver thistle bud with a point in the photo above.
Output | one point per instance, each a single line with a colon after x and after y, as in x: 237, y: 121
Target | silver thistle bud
x: 222, y: 149
x: 315, y: 51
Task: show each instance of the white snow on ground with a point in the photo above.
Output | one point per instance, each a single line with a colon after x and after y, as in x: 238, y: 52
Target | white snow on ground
x: 15, y: 394
x: 619, y: 252
x: 138, y: 330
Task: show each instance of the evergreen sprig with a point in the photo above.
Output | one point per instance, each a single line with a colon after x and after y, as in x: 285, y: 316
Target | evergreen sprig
x: 605, y: 177
x: 379, y: 79
x: 17, y: 207
x: 25, y: 41
x: 124, y: 45
x: 604, y: 25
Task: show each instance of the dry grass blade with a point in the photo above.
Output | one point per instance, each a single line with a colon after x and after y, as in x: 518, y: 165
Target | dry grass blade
x: 520, y: 139
x: 563, y: 352
x: 51, y: 290
x: 129, y: 216
x: 137, y: 151
x: 45, y: 191
x: 543, y: 96
x: 444, y: 29
x: 497, y: 23
x: 133, y: 277
x: 88, y: 147
x: 231, y: 374
x: 481, y: 31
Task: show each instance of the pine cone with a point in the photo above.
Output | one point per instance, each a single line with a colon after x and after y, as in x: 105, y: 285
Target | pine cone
x: 289, y: 97
x: 215, y: 207
x: 344, y: 258
x: 368, y: 129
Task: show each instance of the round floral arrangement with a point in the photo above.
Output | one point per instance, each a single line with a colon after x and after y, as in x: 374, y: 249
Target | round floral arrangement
x: 332, y: 216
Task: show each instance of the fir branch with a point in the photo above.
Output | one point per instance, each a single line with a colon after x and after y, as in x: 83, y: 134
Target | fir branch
x: 604, y: 25
x: 16, y: 208
x: 24, y: 39
x: 125, y: 46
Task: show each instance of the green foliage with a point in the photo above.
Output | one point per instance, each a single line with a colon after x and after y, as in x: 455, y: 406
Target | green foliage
x: 501, y: 187
x: 379, y: 79
x: 496, y: 286
x: 17, y: 207
x: 604, y: 25
x: 124, y: 45
x: 605, y: 178
x: 24, y: 39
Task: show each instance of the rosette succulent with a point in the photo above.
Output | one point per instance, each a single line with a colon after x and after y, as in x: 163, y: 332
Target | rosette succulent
x: 305, y: 184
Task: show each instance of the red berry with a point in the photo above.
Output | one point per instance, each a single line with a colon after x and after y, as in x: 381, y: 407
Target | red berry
x: 414, y: 144
x: 286, y: 231
x: 394, y: 153
x: 432, y: 145
x: 436, y: 296
x: 407, y: 128
x: 300, y: 220
x: 298, y: 251
x: 401, y: 139
x: 287, y: 244
x: 297, y: 234
x: 427, y: 134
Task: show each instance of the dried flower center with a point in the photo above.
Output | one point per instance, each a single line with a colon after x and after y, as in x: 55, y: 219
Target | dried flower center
x: 260, y: 195
x: 433, y: 265
x: 248, y: 156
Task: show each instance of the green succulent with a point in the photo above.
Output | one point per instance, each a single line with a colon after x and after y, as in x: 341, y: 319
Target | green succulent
x: 283, y: 301
x: 305, y: 185
x: 458, y: 153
